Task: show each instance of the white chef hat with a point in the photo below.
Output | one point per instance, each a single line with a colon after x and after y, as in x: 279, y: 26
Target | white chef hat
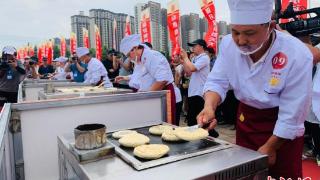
x: 63, y: 59
x: 250, y: 12
x: 56, y: 60
x: 9, y: 50
x: 129, y: 42
x: 81, y: 51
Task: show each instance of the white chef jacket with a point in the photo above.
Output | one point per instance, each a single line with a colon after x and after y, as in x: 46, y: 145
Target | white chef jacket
x: 199, y: 77
x: 152, y: 68
x: 314, y: 115
x: 61, y: 74
x: 284, y: 82
x: 95, y: 71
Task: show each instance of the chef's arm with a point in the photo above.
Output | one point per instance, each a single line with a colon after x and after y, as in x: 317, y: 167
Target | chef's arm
x: 212, y: 100
x: 315, y: 52
x: 158, y: 85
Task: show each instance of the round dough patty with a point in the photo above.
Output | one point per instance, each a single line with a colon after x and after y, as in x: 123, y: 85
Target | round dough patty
x: 120, y: 134
x: 169, y: 135
x: 193, y: 135
x: 134, y: 140
x: 158, y: 130
x: 151, y: 151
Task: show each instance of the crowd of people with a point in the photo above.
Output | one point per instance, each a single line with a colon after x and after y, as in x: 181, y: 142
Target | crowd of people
x: 260, y: 81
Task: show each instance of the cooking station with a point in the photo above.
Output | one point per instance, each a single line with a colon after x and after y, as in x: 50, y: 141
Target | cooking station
x: 74, y: 92
x: 206, y: 159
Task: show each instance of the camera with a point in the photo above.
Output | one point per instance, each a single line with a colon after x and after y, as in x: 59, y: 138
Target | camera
x: 74, y: 59
x: 4, y: 63
x: 31, y: 63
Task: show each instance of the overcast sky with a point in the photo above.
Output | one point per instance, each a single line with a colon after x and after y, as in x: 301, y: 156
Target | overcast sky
x: 35, y: 21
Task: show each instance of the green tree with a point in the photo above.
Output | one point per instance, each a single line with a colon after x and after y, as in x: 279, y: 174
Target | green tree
x: 56, y: 52
x: 92, y: 52
x: 68, y: 53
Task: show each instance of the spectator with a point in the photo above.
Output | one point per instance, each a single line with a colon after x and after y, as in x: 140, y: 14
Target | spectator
x: 12, y: 73
x: 77, y: 68
x: 45, y: 70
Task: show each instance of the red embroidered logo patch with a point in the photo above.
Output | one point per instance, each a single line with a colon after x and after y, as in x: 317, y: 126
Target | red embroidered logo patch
x: 279, y: 61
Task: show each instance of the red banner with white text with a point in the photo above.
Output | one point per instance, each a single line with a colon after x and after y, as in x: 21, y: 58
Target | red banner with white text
x: 73, y: 42
x: 85, y: 38
x: 145, y: 26
x: 128, y: 27
x: 98, y: 43
x: 173, y: 19
x: 209, y: 12
x: 63, y: 47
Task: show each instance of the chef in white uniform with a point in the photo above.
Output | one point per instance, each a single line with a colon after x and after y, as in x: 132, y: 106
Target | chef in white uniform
x: 270, y: 73
x: 151, y: 72
x: 96, y: 73
x: 60, y: 73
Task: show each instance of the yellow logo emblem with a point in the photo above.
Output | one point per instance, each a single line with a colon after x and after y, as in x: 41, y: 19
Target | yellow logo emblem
x: 241, y: 118
x: 274, y: 81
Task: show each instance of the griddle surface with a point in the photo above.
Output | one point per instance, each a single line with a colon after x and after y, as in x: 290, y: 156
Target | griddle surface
x: 176, y: 148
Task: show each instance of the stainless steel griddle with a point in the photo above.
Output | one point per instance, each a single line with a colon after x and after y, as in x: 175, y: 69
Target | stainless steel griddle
x: 178, y: 150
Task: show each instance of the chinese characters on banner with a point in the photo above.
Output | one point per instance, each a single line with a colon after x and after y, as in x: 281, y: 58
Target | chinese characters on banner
x: 85, y: 38
x: 98, y: 43
x: 63, y: 47
x: 128, y: 27
x: 174, y: 26
x: 40, y: 53
x: 209, y: 12
x: 73, y: 42
x: 145, y: 26
x: 49, y: 51
x: 298, y: 5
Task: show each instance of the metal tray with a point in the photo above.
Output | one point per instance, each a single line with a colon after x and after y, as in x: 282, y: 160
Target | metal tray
x: 178, y: 150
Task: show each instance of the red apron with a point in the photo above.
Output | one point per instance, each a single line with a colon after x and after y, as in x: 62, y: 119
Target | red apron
x: 255, y: 127
x: 173, y: 101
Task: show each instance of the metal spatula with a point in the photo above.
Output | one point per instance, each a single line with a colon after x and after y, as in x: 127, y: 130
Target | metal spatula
x: 192, y: 128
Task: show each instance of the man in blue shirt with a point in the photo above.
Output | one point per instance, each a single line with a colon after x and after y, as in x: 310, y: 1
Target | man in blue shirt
x: 77, y: 68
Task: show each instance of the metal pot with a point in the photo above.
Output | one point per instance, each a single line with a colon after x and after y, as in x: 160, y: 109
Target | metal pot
x: 90, y: 136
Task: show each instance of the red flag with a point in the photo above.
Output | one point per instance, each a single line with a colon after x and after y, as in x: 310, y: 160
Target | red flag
x: 63, y: 47
x: 31, y: 51
x: 298, y: 5
x: 50, y: 51
x: 39, y: 54
x: 128, y: 27
x: 18, y: 54
x: 208, y: 10
x: 73, y: 42
x: 85, y: 38
x: 145, y: 25
x: 174, y: 26
x: 114, y: 43
x: 98, y: 43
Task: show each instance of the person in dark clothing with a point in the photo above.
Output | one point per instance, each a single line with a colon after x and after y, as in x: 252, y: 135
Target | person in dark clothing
x: 12, y: 73
x: 112, y: 64
x: 45, y: 70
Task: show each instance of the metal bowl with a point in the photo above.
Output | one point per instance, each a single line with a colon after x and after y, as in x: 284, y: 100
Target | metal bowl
x: 90, y: 136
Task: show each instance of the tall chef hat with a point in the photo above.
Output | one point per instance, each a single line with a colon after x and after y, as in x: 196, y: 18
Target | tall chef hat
x: 250, y: 12
x: 81, y: 51
x: 129, y: 42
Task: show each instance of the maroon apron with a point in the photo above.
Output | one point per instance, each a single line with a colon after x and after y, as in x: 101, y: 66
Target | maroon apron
x: 173, y: 101
x: 255, y: 127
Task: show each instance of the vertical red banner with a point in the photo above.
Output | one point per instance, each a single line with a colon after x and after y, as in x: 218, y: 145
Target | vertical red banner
x: 114, y: 34
x: 209, y: 12
x: 298, y: 5
x: 174, y: 26
x: 63, y: 47
x: 128, y: 26
x: 73, y: 42
x: 145, y: 25
x: 31, y: 51
x: 85, y: 38
x: 50, y: 51
x: 98, y: 43
x: 40, y: 52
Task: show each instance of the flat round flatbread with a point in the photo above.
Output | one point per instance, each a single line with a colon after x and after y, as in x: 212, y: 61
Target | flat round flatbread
x: 169, y: 135
x: 158, y: 130
x: 151, y: 151
x: 134, y: 140
x: 120, y: 134
x: 191, y: 135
